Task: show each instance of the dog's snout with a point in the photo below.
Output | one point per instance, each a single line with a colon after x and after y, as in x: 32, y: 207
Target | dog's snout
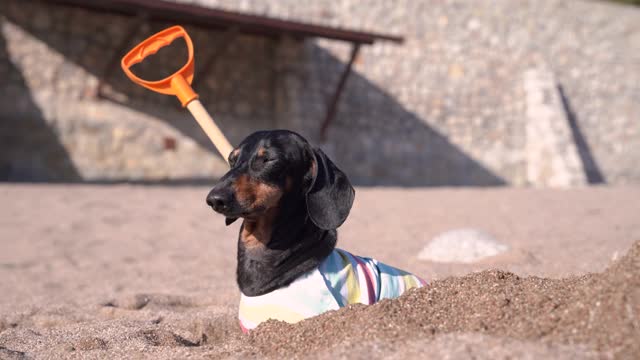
x: 219, y: 200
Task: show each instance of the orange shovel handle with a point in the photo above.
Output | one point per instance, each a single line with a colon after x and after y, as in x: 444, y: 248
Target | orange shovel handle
x: 177, y: 84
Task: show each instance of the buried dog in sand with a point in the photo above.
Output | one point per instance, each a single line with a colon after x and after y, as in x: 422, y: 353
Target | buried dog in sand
x: 292, y: 198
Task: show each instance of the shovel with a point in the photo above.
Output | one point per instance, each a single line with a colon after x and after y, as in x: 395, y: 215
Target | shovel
x: 178, y: 84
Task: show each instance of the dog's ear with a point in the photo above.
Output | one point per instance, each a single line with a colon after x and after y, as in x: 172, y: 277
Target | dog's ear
x: 330, y: 195
x: 229, y: 221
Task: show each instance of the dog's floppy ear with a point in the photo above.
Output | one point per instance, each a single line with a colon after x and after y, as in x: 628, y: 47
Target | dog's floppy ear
x: 330, y: 194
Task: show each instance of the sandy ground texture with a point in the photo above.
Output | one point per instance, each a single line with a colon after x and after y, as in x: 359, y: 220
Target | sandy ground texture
x: 148, y: 272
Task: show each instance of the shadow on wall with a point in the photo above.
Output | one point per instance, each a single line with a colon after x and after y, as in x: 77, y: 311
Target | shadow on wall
x: 87, y: 42
x: 382, y: 143
x: 374, y: 138
x: 30, y: 149
x: 591, y: 168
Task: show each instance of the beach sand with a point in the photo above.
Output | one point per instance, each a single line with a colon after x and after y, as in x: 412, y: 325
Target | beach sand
x: 122, y: 271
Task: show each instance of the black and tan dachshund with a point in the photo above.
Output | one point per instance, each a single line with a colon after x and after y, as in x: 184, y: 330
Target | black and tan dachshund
x: 292, y: 198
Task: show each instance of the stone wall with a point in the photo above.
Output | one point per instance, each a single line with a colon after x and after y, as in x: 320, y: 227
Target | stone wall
x: 447, y: 107
x: 54, y: 57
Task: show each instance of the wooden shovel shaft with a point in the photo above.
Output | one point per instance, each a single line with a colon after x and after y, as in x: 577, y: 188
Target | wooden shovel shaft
x: 210, y: 128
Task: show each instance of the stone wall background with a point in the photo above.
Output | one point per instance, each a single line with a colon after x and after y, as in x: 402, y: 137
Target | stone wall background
x: 447, y: 107
x: 56, y: 56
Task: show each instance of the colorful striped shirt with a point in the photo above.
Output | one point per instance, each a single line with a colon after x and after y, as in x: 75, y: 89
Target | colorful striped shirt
x: 340, y: 280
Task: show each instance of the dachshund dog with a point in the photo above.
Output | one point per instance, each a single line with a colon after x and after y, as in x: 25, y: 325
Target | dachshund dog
x: 292, y: 199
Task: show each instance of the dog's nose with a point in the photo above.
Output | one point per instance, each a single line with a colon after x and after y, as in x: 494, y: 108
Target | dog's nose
x: 219, y: 201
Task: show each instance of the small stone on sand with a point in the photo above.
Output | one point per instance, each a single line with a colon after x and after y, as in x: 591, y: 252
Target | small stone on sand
x: 461, y: 246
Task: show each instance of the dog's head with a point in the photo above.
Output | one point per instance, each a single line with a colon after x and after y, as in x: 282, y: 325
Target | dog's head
x: 271, y: 166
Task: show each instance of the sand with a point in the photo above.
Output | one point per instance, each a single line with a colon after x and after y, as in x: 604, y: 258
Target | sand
x: 600, y: 311
x: 147, y: 272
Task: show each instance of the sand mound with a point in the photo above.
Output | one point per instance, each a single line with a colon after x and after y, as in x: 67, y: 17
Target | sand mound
x: 490, y: 314
x: 601, y: 311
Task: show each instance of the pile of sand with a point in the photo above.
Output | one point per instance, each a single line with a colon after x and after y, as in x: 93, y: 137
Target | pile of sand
x: 112, y: 272
x: 601, y: 311
x: 493, y: 314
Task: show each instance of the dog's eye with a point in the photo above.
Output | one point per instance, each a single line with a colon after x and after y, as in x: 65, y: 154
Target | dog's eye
x: 260, y: 162
x: 264, y: 159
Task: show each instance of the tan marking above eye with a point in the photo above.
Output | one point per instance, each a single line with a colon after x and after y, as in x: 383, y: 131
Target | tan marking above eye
x: 262, y: 152
x: 234, y: 155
